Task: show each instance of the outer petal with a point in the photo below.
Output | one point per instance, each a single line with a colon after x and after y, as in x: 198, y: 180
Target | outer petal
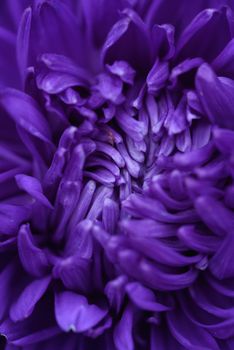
x: 123, y: 337
x: 16, y: 103
x: 33, y: 259
x: 221, y: 262
x: 11, y: 12
x: 128, y: 40
x: 34, y: 329
x: 207, y: 208
x: 33, y: 187
x: 224, y: 63
x: 95, y: 12
x: 197, y: 38
x: 11, y: 217
x: 216, y: 96
x: 25, y: 304
x: 9, y: 74
x: 224, y: 141
x: 167, y: 11
x: 188, y: 334
x: 22, y: 45
x: 7, y: 278
x: 53, y: 20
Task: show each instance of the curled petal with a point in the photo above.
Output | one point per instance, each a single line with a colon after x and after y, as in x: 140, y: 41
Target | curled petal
x: 195, y: 157
x: 151, y: 275
x: 33, y: 187
x: 142, y: 206
x: 207, y: 208
x: 221, y: 262
x: 198, y: 241
x: 188, y: 334
x: 163, y: 41
x: 123, y: 70
x: 161, y: 253
x: 147, y: 228
x: 144, y: 298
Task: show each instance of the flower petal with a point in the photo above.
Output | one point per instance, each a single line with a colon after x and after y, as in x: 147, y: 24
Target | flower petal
x: 123, y: 337
x: 33, y: 259
x: 221, y: 262
x: 198, y: 241
x: 196, y: 40
x: 73, y: 312
x: 110, y: 215
x: 188, y: 334
x: 16, y: 103
x: 8, y: 64
x: 74, y: 273
x: 123, y: 70
x: 26, y: 302
x: 33, y: 187
x: 224, y: 141
x: 207, y: 208
x: 23, y: 38
x: 216, y: 95
x: 223, y: 63
x: 11, y: 217
x: 144, y: 298
x: 115, y: 292
x: 120, y: 44
x: 151, y: 274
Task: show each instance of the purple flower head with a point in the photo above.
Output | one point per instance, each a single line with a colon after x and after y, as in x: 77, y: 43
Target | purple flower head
x: 117, y: 180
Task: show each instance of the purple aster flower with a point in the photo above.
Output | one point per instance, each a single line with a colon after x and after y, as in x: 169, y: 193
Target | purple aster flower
x: 117, y: 180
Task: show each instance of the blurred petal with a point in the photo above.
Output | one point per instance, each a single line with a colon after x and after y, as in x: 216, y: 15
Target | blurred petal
x: 188, y: 334
x: 196, y: 40
x: 8, y: 65
x: 123, y: 338
x: 22, y: 45
x: 216, y: 95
